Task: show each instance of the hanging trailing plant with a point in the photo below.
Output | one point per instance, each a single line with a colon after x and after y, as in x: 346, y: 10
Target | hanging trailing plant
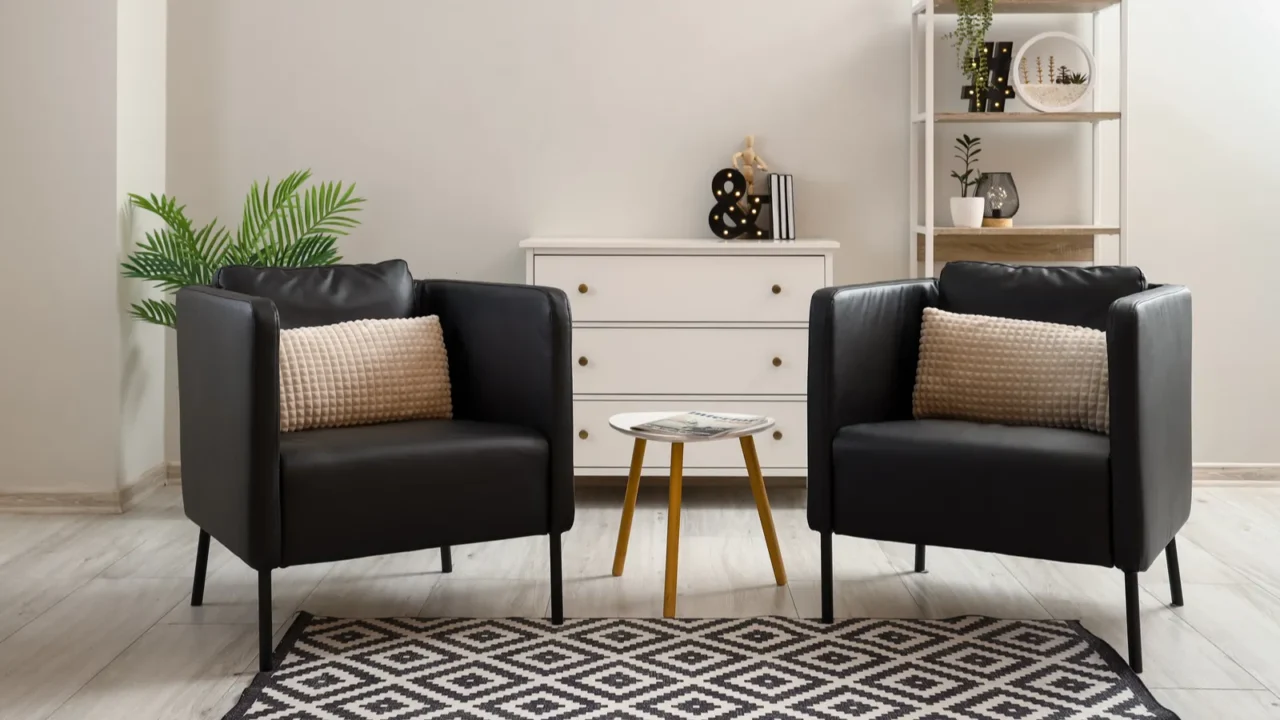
x: 973, y: 21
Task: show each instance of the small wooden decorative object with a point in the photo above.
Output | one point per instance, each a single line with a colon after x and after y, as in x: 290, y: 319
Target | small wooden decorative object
x: 747, y: 162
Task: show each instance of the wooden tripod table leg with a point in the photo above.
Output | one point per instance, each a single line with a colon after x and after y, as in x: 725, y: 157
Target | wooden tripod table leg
x: 762, y: 506
x: 629, y: 507
x: 673, y: 529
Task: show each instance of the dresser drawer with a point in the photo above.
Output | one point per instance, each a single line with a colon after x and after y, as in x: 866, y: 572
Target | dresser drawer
x: 689, y: 361
x: 603, y: 447
x: 703, y: 288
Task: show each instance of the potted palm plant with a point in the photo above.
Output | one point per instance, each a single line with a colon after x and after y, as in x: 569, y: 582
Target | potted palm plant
x: 282, y: 226
x: 966, y: 211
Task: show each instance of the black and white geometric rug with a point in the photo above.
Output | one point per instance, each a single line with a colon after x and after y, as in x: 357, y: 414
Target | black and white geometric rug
x: 714, y: 669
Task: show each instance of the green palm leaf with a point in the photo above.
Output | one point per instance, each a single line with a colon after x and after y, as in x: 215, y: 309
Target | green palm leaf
x: 283, y: 226
x: 158, y: 312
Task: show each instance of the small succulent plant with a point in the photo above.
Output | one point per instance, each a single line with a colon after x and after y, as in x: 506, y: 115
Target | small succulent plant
x: 1066, y: 76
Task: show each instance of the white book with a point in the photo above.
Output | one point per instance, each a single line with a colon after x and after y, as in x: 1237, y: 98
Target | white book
x: 775, y: 204
x: 791, y: 208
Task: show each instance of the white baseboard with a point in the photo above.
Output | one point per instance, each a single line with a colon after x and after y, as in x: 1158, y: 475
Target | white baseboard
x: 108, y: 503
x: 1236, y: 473
x: 147, y: 482
x: 173, y: 473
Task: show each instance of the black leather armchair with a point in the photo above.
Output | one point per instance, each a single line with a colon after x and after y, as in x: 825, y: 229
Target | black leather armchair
x: 1066, y: 495
x: 502, y: 468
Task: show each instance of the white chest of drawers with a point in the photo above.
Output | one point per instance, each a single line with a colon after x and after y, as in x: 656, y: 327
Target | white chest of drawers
x: 681, y: 325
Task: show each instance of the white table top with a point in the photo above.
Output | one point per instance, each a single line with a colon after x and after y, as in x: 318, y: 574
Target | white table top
x: 675, y: 244
x: 624, y: 423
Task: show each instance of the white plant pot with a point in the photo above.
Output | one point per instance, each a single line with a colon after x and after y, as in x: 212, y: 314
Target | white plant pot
x: 966, y: 212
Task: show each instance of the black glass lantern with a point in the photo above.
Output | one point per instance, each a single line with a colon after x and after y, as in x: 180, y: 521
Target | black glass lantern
x: 1001, y: 196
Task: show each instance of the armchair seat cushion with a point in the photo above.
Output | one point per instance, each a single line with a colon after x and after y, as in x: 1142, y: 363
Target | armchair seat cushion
x: 1030, y: 491
x: 374, y: 489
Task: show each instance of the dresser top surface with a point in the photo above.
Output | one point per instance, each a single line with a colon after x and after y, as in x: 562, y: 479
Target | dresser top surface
x: 698, y: 246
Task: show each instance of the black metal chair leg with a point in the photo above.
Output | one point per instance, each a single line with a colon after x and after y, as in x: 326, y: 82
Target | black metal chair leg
x: 828, y: 581
x: 1175, y: 575
x: 1134, y: 620
x: 264, y: 621
x: 920, y: 568
x: 557, y: 588
x: 446, y: 559
x: 202, y: 564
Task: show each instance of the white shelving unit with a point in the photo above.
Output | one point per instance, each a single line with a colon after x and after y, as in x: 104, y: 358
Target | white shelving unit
x: 931, y: 243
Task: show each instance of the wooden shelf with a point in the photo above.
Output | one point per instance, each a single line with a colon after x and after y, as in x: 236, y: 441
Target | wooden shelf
x: 1021, y: 117
x: 1025, y: 230
x: 948, y: 7
x: 1048, y: 243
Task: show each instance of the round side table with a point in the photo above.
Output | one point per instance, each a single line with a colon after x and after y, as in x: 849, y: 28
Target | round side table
x: 625, y: 424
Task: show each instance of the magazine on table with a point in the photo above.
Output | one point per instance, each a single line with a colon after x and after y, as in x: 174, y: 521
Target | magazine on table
x: 701, y: 424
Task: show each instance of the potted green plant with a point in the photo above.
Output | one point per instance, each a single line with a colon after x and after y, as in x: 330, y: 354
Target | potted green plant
x: 973, y: 20
x: 966, y: 211
x: 284, y: 226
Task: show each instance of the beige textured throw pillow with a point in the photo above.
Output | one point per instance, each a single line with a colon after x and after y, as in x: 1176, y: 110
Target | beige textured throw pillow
x: 363, y: 372
x: 1015, y: 372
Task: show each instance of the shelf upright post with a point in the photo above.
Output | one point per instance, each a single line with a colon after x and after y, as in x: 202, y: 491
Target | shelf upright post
x: 930, y: 36
x: 1097, y: 136
x: 914, y: 154
x: 1124, y: 132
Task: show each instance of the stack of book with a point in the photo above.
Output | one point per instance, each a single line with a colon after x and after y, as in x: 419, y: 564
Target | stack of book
x: 783, y: 205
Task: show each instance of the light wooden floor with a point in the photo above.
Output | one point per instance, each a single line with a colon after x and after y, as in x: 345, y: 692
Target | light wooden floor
x: 95, y: 622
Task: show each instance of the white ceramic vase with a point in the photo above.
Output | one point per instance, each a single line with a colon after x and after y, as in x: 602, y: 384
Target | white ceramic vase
x: 966, y: 212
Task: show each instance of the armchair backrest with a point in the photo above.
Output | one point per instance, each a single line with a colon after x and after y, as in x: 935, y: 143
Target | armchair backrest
x: 310, y: 296
x: 1067, y: 295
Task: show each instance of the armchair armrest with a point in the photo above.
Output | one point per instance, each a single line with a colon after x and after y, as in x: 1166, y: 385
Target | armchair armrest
x: 864, y: 341
x: 509, y: 362
x: 1149, y: 364
x: 229, y: 402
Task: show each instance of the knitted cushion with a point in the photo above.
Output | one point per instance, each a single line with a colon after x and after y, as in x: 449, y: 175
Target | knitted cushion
x: 1016, y: 372
x: 363, y: 372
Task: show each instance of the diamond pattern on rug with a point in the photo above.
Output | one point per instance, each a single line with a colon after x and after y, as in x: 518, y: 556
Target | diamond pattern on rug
x: 710, y: 669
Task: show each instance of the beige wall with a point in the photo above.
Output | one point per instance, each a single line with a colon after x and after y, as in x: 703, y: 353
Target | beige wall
x: 472, y: 125
x: 140, y: 168
x: 59, y: 368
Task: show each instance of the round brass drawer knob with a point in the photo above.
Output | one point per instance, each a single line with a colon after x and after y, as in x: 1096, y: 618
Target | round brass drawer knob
x: 777, y: 289
x: 582, y: 288
x: 777, y: 434
x: 582, y: 361
x: 583, y: 434
x: 777, y: 362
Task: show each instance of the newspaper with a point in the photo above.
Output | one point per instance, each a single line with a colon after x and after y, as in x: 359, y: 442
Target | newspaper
x: 701, y: 424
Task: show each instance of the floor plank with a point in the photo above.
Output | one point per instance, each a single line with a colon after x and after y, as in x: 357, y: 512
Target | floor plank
x: 960, y: 582
x: 387, y: 586
x: 193, y: 665
x: 80, y: 596
x: 1216, y: 704
x: 231, y: 595
x: 1174, y: 654
x: 23, y: 599
x: 1242, y: 620
x: 508, y: 578
x: 53, y: 656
